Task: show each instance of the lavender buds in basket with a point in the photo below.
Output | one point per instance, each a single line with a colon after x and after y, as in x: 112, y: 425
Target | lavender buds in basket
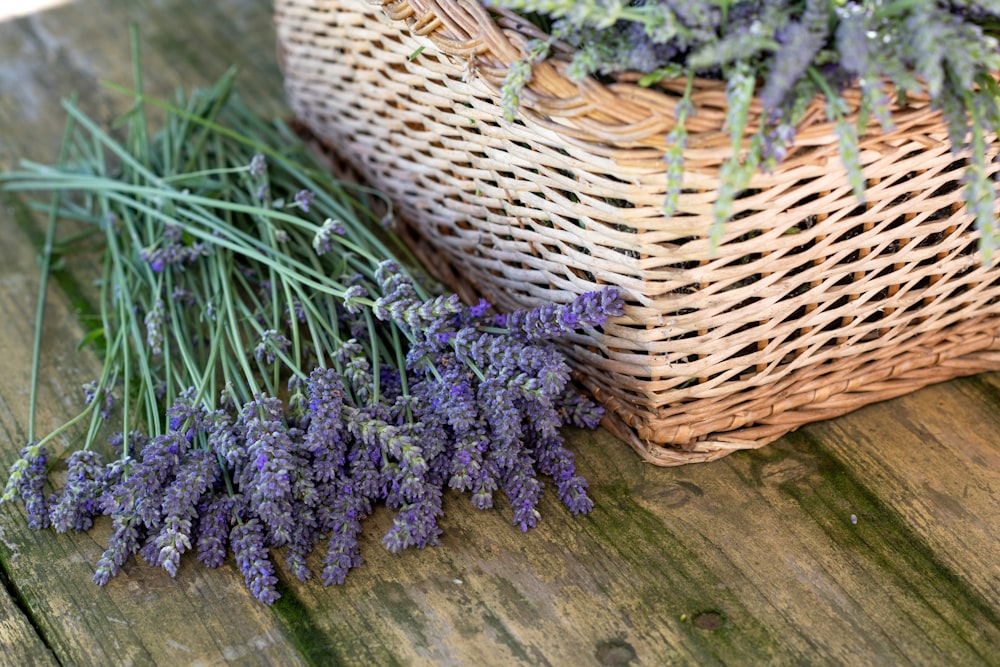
x: 272, y: 369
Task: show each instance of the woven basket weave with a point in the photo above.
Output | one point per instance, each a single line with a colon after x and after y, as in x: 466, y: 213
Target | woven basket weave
x: 812, y: 306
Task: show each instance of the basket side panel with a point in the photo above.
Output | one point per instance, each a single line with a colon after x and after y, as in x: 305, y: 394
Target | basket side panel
x: 809, y: 304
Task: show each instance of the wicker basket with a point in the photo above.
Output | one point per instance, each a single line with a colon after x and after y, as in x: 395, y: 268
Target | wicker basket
x: 812, y: 306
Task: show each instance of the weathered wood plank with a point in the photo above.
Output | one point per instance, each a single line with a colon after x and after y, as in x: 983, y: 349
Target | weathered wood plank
x: 753, y: 559
x: 20, y: 643
x: 142, y: 617
x: 50, y: 55
x: 934, y: 458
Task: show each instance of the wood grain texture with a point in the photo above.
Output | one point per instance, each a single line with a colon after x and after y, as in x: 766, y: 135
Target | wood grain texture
x: 20, y: 643
x: 934, y: 458
x: 752, y: 558
x: 869, y: 539
x: 142, y: 617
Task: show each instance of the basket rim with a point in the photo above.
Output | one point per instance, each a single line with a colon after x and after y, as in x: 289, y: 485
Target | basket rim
x: 488, y: 40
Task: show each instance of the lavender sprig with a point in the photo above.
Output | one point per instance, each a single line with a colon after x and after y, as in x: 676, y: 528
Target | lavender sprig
x: 288, y: 372
x: 254, y: 560
x: 947, y: 49
x: 79, y: 501
x: 193, y: 480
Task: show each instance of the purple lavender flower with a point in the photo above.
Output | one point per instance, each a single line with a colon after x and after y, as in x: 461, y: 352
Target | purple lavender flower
x: 214, y: 525
x: 400, y: 303
x: 542, y: 419
x: 556, y: 461
x: 435, y: 440
x: 403, y: 484
x: 466, y: 461
x: 258, y: 165
x: 92, y: 390
x: 578, y: 410
x: 194, y: 478
x: 778, y: 137
x: 439, y: 309
x: 225, y: 440
x: 272, y: 343
x: 123, y: 543
x: 306, y: 529
x: 357, y: 370
x: 185, y: 412
x: 478, y: 310
x: 154, y: 328
x: 27, y: 480
x: 343, y: 553
x: 323, y: 240
x: 110, y: 479
x: 553, y: 320
x: 352, y: 295
x: 398, y: 293
x: 456, y: 398
x: 183, y: 296
x: 172, y: 252
x: 295, y: 312
x: 299, y: 547
x: 79, y: 500
x: 524, y: 490
x: 800, y: 42
x: 156, y: 259
x: 254, y: 561
x: 364, y: 461
x: 325, y: 437
x: 505, y: 424
x: 484, y: 484
x: 415, y: 524
x: 304, y: 199
x: 272, y: 463
x: 136, y: 495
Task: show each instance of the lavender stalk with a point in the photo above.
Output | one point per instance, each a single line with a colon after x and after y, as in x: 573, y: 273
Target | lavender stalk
x: 275, y: 365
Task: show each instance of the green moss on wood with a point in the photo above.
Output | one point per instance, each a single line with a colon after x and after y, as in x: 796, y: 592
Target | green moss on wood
x: 956, y: 616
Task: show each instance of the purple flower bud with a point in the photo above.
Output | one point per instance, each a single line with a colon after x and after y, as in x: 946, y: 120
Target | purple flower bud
x: 214, y: 525
x: 258, y: 165
x: 254, y: 560
x: 80, y: 498
x: 27, y: 480
x: 479, y: 309
x: 304, y: 199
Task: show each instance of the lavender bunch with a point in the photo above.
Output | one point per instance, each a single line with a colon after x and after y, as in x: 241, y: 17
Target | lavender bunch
x: 273, y: 370
x: 788, y: 52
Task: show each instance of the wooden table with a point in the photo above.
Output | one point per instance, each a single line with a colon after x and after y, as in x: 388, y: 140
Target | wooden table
x: 869, y: 539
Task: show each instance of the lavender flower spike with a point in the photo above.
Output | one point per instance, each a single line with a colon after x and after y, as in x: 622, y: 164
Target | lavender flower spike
x: 258, y: 165
x: 214, y: 526
x: 27, y: 478
x: 323, y: 240
x: 80, y: 499
x: 194, y: 477
x: 254, y: 561
x: 23, y: 470
x: 304, y: 199
x: 553, y: 320
x: 154, y: 328
x: 273, y: 463
x: 123, y: 543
